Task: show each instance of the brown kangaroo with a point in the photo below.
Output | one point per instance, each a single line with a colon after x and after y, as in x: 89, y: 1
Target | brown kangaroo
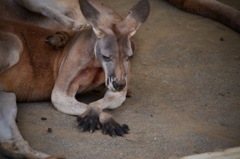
x: 31, y: 70
x: 53, y: 14
x: 213, y: 9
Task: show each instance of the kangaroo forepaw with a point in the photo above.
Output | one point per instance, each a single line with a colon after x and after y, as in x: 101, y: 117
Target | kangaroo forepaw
x: 89, y: 121
x: 58, y: 39
x: 112, y: 128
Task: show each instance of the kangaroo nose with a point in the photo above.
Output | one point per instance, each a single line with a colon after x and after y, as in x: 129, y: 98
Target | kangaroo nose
x: 118, y: 86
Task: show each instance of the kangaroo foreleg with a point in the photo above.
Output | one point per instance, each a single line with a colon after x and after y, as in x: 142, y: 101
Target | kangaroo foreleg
x: 68, y: 83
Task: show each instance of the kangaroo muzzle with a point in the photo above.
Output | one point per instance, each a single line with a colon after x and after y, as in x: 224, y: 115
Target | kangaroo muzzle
x: 116, y: 84
x: 119, y: 85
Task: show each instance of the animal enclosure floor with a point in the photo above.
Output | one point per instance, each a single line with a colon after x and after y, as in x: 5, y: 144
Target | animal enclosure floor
x: 185, y: 84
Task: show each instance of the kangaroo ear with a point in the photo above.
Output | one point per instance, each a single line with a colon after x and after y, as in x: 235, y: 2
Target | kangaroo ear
x: 137, y: 15
x: 92, y: 15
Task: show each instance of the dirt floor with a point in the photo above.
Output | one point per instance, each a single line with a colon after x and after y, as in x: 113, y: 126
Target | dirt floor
x: 185, y: 83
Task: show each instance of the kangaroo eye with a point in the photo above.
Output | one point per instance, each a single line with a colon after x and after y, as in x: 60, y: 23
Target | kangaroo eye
x: 106, y: 58
x: 129, y: 58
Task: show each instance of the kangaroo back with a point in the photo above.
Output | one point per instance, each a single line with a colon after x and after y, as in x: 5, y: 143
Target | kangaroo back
x: 213, y: 9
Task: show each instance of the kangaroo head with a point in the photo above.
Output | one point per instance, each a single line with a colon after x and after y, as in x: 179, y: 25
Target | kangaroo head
x: 113, y: 47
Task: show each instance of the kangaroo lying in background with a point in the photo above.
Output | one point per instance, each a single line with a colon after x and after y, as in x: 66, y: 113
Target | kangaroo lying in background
x: 52, y: 14
x: 68, y: 14
x: 31, y: 70
x: 213, y: 9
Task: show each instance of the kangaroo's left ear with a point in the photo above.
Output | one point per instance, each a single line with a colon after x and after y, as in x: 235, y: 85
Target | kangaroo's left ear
x: 137, y: 15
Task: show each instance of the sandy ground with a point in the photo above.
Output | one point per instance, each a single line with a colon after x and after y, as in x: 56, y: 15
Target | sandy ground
x: 185, y: 83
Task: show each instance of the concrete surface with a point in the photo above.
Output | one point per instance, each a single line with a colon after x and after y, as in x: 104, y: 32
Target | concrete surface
x: 185, y: 84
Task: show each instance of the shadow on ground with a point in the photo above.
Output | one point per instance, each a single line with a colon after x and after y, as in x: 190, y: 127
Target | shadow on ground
x: 185, y: 85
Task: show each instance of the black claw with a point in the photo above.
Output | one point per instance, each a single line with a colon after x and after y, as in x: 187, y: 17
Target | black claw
x: 92, y: 129
x: 104, y: 131
x: 125, y: 128
x: 112, y: 133
x: 93, y: 125
x: 99, y: 126
x: 112, y: 128
x: 85, y: 126
x: 80, y: 121
x: 89, y: 122
x: 119, y: 131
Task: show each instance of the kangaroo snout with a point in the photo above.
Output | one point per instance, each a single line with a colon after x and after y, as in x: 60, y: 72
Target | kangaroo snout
x: 119, y: 85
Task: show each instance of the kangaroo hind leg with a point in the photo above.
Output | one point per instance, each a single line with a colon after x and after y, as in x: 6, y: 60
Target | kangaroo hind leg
x: 11, y: 141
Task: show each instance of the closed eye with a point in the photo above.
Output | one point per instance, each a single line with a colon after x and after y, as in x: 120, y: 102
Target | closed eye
x: 129, y: 58
x: 106, y: 58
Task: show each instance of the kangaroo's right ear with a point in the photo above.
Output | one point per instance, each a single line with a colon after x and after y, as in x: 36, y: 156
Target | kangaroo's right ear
x: 89, y: 12
x: 92, y: 15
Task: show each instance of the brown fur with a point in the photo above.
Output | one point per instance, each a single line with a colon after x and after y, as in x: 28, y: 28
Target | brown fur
x: 36, y: 71
x: 33, y: 77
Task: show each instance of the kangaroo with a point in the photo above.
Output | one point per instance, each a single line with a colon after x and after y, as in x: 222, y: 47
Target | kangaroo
x: 31, y: 70
x: 213, y: 9
x: 53, y: 14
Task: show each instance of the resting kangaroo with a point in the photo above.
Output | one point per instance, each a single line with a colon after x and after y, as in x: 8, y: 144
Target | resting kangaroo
x: 68, y: 14
x: 211, y: 9
x: 31, y: 70
x: 57, y: 14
